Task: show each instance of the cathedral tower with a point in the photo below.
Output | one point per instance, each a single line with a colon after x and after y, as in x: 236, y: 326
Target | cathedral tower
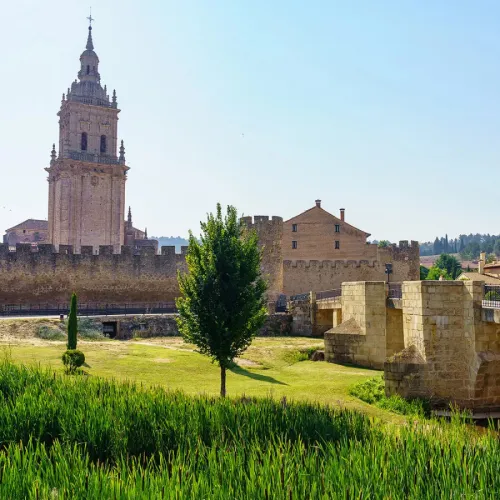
x: 87, y: 178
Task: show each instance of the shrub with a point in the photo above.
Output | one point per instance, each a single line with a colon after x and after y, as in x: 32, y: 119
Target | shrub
x: 295, y: 356
x: 492, y: 295
x: 48, y: 333
x: 73, y: 359
x: 373, y: 392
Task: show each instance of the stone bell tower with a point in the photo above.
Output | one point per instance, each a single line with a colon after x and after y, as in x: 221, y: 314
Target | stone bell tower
x: 86, y: 177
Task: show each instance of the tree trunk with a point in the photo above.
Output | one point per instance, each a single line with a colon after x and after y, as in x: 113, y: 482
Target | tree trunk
x: 222, y: 381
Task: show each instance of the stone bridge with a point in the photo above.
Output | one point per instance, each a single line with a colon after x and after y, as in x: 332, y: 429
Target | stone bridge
x: 434, y: 339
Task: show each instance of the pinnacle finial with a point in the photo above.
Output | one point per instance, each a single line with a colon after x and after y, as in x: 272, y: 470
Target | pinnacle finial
x: 122, y: 154
x: 53, y: 155
x: 129, y: 218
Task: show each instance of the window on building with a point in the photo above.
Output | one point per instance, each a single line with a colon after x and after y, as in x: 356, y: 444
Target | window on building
x: 88, y: 69
x: 83, y: 145
x: 337, y: 228
x: 103, y: 143
x: 294, y: 228
x: 337, y: 244
x: 294, y: 245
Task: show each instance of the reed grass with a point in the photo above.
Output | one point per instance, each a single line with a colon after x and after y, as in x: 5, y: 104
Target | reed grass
x: 83, y: 437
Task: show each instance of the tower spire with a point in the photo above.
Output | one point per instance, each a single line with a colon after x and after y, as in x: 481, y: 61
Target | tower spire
x: 90, y: 45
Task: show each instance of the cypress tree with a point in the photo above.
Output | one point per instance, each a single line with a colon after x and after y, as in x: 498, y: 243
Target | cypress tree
x: 72, y: 323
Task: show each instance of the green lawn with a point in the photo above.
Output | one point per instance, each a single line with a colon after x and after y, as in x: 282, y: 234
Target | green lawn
x: 266, y: 368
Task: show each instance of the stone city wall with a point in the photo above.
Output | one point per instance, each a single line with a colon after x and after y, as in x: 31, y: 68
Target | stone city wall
x: 47, y: 277
x: 301, y: 276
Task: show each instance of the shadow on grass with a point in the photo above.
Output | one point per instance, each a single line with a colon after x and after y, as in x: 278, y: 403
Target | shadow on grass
x: 238, y: 370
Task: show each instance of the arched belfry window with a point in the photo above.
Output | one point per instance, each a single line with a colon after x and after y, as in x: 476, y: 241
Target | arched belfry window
x: 88, y: 69
x: 103, y: 144
x: 83, y: 145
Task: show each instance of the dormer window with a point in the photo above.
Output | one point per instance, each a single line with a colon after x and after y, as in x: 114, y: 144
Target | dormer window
x: 83, y: 145
x: 103, y: 144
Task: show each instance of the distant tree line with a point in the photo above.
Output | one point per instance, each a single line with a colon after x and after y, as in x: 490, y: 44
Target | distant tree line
x: 177, y: 241
x: 468, y: 246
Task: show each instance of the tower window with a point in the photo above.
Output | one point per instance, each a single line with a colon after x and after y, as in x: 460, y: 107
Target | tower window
x: 337, y: 245
x: 294, y: 228
x: 294, y: 245
x: 337, y: 228
x: 83, y: 145
x: 103, y: 143
x: 88, y: 69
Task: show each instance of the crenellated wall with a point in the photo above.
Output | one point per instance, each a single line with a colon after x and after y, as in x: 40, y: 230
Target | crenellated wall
x: 49, y: 277
x: 302, y: 276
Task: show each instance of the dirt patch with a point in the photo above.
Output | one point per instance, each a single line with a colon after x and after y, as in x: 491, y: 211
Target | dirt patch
x: 247, y: 362
x: 162, y: 360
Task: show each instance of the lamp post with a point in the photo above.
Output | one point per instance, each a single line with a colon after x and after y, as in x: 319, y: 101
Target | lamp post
x: 388, y: 271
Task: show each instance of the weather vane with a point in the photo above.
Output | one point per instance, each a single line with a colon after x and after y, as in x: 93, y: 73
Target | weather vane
x: 90, y: 18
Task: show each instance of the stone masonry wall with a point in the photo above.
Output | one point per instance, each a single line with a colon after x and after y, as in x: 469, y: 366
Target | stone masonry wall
x: 270, y: 232
x: 361, y: 337
x: 451, y: 355
x: 300, y: 276
x: 46, y: 277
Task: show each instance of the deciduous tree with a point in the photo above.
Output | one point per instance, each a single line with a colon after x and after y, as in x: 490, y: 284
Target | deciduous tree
x: 222, y: 304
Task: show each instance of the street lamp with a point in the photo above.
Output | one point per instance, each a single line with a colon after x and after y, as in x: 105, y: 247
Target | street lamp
x: 388, y: 271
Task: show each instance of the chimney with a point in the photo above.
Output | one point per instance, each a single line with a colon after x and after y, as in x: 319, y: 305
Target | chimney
x: 318, y: 203
x: 342, y: 214
x: 482, y: 262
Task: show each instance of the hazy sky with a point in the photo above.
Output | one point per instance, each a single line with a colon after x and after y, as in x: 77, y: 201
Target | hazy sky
x: 390, y: 109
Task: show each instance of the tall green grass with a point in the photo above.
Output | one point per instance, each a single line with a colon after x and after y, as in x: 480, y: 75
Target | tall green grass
x: 81, y: 437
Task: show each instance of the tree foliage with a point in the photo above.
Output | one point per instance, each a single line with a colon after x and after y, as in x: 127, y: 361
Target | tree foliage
x: 450, y: 264
x: 222, y: 304
x: 384, y: 243
x: 423, y: 272
x: 468, y: 246
x: 72, y: 323
x: 436, y: 272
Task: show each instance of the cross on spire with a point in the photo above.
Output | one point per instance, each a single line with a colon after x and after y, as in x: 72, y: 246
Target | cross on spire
x: 90, y: 18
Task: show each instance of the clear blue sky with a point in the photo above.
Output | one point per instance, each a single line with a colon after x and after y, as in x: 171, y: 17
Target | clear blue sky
x: 388, y: 108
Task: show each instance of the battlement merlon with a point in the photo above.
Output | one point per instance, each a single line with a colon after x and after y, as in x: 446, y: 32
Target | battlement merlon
x: 329, y: 264
x: 45, y: 249
x: 261, y: 219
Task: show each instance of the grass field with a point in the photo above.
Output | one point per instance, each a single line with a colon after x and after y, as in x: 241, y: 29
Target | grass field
x: 80, y: 437
x: 266, y: 369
